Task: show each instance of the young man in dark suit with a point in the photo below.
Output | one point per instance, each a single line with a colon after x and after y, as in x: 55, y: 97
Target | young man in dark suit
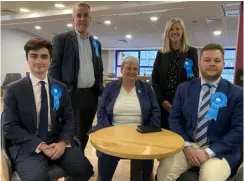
x: 208, y: 113
x: 39, y: 123
x: 77, y: 62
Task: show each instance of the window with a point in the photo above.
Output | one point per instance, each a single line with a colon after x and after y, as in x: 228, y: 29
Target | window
x: 229, y: 58
x: 146, y: 60
x: 120, y: 56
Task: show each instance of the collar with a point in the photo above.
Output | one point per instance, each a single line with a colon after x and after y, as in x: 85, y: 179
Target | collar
x: 214, y: 83
x: 35, y: 81
x: 79, y: 35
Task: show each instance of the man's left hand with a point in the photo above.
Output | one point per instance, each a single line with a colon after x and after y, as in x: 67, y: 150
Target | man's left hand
x: 202, y: 155
x: 59, y: 149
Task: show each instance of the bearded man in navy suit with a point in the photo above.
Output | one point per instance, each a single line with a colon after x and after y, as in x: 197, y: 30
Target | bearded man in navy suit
x: 208, y: 113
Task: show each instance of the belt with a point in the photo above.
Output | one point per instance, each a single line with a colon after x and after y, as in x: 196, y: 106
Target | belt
x: 83, y: 89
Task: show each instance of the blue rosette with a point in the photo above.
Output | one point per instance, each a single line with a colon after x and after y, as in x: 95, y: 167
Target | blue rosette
x: 96, y: 46
x: 217, y: 101
x: 56, y: 93
x: 188, y: 66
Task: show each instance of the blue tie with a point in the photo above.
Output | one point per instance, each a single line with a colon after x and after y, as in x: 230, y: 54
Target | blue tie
x: 202, y: 125
x: 43, y: 125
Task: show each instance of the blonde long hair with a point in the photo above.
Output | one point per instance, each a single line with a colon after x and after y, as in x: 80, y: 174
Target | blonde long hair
x: 166, y: 41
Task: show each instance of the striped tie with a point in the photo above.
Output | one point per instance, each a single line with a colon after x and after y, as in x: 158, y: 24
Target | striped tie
x: 202, y: 126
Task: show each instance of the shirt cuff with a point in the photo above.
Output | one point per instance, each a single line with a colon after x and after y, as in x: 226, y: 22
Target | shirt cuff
x: 187, y: 143
x: 68, y: 144
x: 210, y: 152
x: 37, y: 149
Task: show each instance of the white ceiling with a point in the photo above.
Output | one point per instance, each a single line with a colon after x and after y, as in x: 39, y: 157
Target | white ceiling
x: 145, y: 34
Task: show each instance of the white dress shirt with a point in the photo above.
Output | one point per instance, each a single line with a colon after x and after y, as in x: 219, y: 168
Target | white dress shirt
x: 37, y: 95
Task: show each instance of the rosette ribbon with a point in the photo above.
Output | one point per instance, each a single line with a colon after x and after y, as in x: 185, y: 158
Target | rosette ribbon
x: 96, y: 46
x: 188, y: 66
x: 217, y: 101
x: 56, y: 93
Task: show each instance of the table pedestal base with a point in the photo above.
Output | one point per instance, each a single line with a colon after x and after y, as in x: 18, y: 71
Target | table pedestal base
x: 135, y: 170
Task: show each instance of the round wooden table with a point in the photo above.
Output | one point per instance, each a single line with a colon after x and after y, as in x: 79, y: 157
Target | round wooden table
x: 125, y: 142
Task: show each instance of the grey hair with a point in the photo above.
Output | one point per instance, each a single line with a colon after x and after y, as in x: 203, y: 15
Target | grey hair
x: 79, y: 4
x: 130, y: 60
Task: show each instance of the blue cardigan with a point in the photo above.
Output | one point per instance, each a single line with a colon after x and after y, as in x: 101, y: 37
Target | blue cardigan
x: 149, y: 107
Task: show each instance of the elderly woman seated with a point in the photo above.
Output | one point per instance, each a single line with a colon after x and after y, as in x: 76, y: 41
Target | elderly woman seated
x: 126, y: 102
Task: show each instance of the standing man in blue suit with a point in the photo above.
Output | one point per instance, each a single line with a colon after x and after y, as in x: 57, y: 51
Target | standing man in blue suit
x: 39, y: 123
x: 208, y: 114
x: 77, y: 62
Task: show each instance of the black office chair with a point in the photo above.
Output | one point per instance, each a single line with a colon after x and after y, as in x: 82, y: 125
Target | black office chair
x: 54, y: 171
x: 11, y: 77
x: 111, y: 75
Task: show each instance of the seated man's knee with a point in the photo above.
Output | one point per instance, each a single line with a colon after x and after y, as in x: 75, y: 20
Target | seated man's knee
x: 40, y: 176
x: 215, y: 168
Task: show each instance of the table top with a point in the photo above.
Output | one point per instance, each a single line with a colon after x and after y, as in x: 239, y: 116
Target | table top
x: 125, y: 142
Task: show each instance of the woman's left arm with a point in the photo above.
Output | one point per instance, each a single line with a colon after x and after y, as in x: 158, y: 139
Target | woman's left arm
x: 155, y: 115
x: 194, y: 57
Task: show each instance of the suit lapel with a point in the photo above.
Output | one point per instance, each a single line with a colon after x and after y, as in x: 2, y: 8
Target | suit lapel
x: 52, y: 112
x: 93, y: 55
x: 139, y: 92
x: 165, y: 64
x: 195, y: 94
x: 30, y: 99
x: 182, y: 62
x: 74, y: 42
x: 222, y: 87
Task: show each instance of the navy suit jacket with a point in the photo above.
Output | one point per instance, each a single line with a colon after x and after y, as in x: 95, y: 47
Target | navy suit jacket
x: 149, y: 107
x: 65, y: 64
x: 20, y: 118
x: 226, y: 133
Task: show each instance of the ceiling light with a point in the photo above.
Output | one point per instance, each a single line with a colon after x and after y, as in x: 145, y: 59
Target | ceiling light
x: 59, y: 5
x: 33, y: 15
x: 217, y: 32
x: 154, y: 18
x: 232, y: 12
x: 115, y: 27
x: 95, y: 37
x: 233, y: 4
x: 69, y: 25
x: 107, y: 22
x: 128, y: 36
x: 24, y: 10
x: 38, y: 27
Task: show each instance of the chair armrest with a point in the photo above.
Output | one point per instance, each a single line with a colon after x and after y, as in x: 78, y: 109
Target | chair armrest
x: 6, y: 165
x: 239, y: 174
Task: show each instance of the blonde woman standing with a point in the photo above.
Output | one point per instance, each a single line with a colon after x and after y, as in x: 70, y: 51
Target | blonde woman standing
x: 175, y: 63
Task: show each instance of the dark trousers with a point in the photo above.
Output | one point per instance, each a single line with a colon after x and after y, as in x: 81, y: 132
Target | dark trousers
x: 84, y: 102
x: 107, y: 165
x: 34, y: 167
x: 169, y: 96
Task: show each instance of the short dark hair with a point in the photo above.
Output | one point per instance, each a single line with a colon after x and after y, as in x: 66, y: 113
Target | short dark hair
x: 36, y: 44
x: 212, y: 46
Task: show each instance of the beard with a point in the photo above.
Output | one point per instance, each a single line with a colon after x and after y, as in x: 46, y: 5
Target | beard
x: 211, y: 76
